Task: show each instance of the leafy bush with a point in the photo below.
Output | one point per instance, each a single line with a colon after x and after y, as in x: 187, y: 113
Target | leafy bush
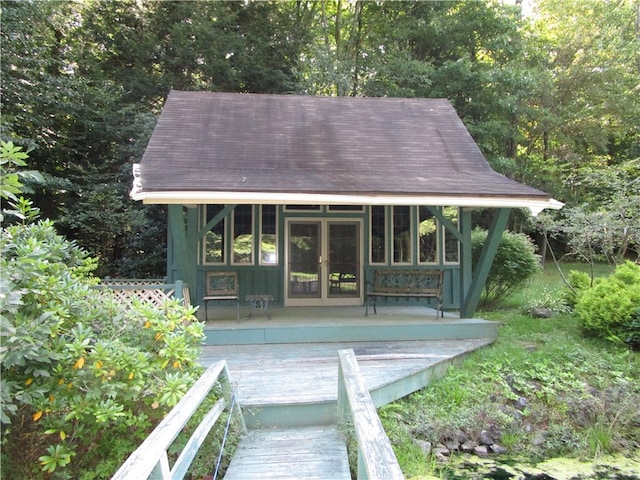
x: 633, y: 330
x: 513, y: 268
x: 579, y: 282
x: 84, y: 378
x: 548, y: 300
x: 607, y: 309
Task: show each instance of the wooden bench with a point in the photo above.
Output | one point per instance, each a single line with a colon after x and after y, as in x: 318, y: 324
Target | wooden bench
x: 222, y: 286
x: 405, y: 284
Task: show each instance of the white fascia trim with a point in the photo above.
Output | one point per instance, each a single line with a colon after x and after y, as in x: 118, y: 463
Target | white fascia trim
x: 270, y: 198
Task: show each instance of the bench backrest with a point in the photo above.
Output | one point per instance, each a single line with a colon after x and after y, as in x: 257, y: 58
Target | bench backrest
x: 408, y: 281
x: 222, y: 284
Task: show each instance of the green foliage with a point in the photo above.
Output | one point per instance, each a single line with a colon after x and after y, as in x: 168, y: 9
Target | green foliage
x: 633, y: 330
x: 604, y: 227
x: 11, y: 157
x: 78, y: 368
x: 578, y: 282
x: 513, y: 268
x: 581, y: 394
x: 12, y: 176
x: 549, y: 300
x: 607, y: 309
x: 547, y: 97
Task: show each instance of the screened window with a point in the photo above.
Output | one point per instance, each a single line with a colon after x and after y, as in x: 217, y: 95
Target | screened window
x: 303, y: 208
x: 433, y: 243
x: 268, y: 235
x: 427, y: 236
x: 214, y: 247
x: 345, y: 208
x: 402, y: 235
x: 451, y: 244
x: 243, y: 234
x: 378, y: 235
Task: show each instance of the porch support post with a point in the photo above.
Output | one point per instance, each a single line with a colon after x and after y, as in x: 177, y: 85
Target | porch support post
x: 470, y: 301
x: 466, y: 263
x: 183, y: 230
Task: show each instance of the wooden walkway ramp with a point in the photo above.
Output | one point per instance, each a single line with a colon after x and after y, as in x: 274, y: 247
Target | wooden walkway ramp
x: 309, y: 453
x: 288, y: 394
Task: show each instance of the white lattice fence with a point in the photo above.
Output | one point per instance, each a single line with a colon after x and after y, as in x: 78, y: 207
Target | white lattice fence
x: 155, y: 291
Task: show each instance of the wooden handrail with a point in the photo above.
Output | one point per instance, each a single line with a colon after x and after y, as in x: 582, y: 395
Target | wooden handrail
x: 150, y: 460
x: 376, y: 459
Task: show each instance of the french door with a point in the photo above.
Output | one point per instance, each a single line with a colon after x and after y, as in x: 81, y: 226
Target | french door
x: 324, y: 264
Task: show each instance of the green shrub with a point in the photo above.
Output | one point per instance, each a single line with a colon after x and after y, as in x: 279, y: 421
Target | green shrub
x: 607, y: 309
x: 513, y: 268
x: 633, y: 330
x: 579, y: 282
x: 84, y: 378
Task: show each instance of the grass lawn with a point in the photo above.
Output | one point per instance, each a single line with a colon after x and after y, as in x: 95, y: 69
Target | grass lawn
x: 542, y: 389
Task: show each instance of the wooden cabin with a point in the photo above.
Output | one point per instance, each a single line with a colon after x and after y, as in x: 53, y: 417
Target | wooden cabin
x: 303, y: 198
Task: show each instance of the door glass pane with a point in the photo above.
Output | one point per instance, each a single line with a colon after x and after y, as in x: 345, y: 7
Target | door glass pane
x: 344, y: 268
x: 304, y: 260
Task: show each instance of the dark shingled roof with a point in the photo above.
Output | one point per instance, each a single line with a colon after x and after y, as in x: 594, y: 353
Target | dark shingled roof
x: 227, y: 142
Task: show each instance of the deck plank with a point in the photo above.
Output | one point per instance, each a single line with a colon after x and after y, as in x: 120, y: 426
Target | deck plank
x: 294, y: 373
x: 287, y: 383
x: 314, y: 453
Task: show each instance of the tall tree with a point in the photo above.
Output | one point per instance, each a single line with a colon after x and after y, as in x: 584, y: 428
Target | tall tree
x: 592, y: 50
x: 82, y: 129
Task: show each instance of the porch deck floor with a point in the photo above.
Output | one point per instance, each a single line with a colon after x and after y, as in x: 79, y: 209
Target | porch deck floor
x: 290, y: 325
x: 225, y: 317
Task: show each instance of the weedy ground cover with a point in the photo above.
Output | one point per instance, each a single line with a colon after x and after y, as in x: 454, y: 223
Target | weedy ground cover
x: 542, y: 389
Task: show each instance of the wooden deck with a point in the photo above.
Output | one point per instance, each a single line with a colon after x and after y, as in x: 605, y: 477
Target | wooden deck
x: 294, y: 384
x: 288, y: 389
x: 346, y: 324
x: 311, y: 453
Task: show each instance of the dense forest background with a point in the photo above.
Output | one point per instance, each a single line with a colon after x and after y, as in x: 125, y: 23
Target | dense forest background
x: 551, y: 97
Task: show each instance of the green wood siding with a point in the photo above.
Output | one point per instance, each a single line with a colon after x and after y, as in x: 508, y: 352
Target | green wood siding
x: 462, y: 284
